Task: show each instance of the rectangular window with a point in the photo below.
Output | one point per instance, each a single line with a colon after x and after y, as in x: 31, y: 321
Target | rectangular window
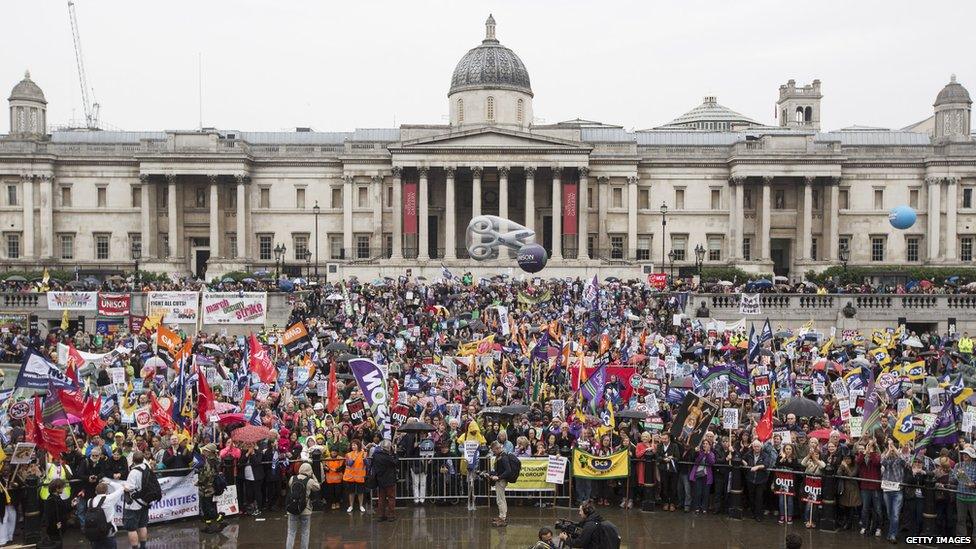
x: 747, y: 198
x: 844, y: 198
x: 13, y: 246
x: 779, y: 199
x: 911, y: 248
x: 265, y: 247
x: 102, y: 243
x: 679, y: 244
x: 335, y: 247
x: 300, y: 245
x: 102, y: 196
x: 877, y: 248
x: 879, y: 199
x: 300, y: 198
x: 591, y: 242
x: 844, y: 243
x: 164, y: 244
x: 967, y: 197
x: 815, y: 195
x: 136, y: 197
x: 389, y: 197
x: 716, y: 199
x: 65, y: 197
x: 679, y: 199
x: 747, y: 248
x: 644, y: 199
x: 715, y: 248
x: 231, y: 199
x: 265, y: 197
x: 232, y: 245
x: 200, y: 197
x: 589, y: 196
x: 966, y: 248
x: 67, y: 246
x: 12, y: 195
x: 618, y: 198
x: 387, y: 245
x: 644, y: 247
x: 362, y: 246
x: 163, y: 198
x: 337, y: 197
x: 362, y: 197
x: 913, y: 199
x: 135, y: 245
x: 616, y: 246
x: 814, y: 244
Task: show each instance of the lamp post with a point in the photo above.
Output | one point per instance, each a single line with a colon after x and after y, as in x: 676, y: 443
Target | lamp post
x: 308, y: 263
x: 845, y: 256
x: 316, y: 210
x: 136, y: 256
x: 279, y: 252
x: 699, y: 260
x: 671, y: 255
x: 664, y: 227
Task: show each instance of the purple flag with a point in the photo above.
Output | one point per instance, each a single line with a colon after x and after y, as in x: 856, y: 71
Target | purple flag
x: 592, y: 388
x: 372, y: 382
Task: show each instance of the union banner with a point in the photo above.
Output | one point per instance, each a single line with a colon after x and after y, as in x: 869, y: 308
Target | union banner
x: 586, y: 465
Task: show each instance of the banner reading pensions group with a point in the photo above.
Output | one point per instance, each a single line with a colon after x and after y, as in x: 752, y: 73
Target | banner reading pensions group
x: 532, y: 477
x: 235, y: 307
x: 176, y: 307
x: 586, y: 465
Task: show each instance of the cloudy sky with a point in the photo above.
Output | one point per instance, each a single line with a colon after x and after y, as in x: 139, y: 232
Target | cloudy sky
x: 338, y: 65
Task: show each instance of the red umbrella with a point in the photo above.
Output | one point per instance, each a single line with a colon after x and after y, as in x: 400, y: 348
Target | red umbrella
x: 251, y: 433
x: 824, y: 364
x: 824, y: 434
x: 637, y: 359
x: 228, y: 419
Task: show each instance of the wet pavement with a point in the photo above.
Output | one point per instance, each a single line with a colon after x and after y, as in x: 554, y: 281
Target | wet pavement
x: 453, y: 527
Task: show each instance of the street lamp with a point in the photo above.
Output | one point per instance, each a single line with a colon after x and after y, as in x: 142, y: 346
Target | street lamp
x: 136, y: 256
x: 699, y: 259
x: 664, y: 227
x: 308, y: 263
x: 845, y: 256
x: 316, y: 210
x: 279, y: 253
x: 672, y: 255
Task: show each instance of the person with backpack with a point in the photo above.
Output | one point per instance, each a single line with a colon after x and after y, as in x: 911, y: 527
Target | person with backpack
x: 297, y: 504
x: 142, y: 490
x: 594, y: 531
x: 383, y: 477
x: 210, y: 483
x: 507, y: 469
x: 98, y: 527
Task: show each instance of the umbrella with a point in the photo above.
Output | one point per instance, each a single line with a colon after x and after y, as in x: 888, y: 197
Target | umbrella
x: 824, y: 434
x: 249, y: 280
x: 230, y: 419
x: 346, y: 357
x: 262, y: 272
x: 338, y: 346
x: 71, y: 419
x: 417, y: 426
x: 912, y: 341
x: 780, y: 279
x: 251, y: 433
x: 761, y: 283
x: 212, y: 347
x: 636, y: 359
x: 286, y: 286
x: 612, y: 279
x: 225, y: 408
x: 91, y: 280
x: 334, y: 297
x: 724, y: 283
x: 859, y: 362
x: 75, y: 284
x: 300, y: 281
x: 824, y: 364
x: 802, y: 407
x: 514, y: 409
x: 228, y: 280
x: 492, y: 410
x: 16, y: 278
x: 154, y: 362
x: 925, y: 284
x: 683, y: 383
x: 631, y: 414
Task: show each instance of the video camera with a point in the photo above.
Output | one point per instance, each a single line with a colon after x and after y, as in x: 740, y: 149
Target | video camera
x: 573, y: 529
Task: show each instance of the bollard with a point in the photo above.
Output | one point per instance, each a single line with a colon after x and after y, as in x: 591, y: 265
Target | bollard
x: 32, y: 510
x: 828, y: 509
x: 649, y: 495
x: 929, y: 515
x: 735, y: 492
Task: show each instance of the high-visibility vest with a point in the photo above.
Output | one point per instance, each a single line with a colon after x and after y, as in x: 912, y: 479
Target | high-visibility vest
x: 966, y: 345
x: 333, y: 471
x: 52, y: 472
x: 355, y: 467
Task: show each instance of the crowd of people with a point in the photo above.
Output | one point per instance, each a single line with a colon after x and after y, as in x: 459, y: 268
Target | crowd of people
x: 455, y: 352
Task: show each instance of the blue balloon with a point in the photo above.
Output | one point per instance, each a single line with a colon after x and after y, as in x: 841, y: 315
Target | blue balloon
x: 902, y: 217
x: 532, y: 258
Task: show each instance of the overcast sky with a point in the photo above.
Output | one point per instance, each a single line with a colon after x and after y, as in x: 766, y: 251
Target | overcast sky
x: 341, y: 65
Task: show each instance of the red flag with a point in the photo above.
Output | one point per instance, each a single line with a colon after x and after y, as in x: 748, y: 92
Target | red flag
x: 74, y: 362
x: 246, y: 396
x: 159, y: 414
x: 72, y: 401
x: 90, y: 418
x: 47, y: 438
x: 333, y: 402
x: 764, y: 429
x: 205, y: 398
x: 260, y: 362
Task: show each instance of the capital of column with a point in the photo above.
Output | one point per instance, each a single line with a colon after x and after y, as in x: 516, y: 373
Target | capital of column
x: 476, y: 171
x: 242, y: 179
x: 143, y: 178
x: 767, y: 179
x: 212, y: 178
x: 557, y: 172
x: 530, y: 171
x: 833, y: 181
x: 951, y: 180
x: 449, y: 171
x: 809, y: 179
x: 170, y: 178
x: 503, y: 171
x: 423, y: 171
x: 397, y: 171
x: 737, y: 180
x: 377, y: 179
x: 632, y: 180
x: 348, y: 179
x: 45, y: 178
x: 603, y: 180
x: 584, y: 171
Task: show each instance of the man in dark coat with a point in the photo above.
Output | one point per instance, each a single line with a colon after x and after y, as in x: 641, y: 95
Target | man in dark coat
x: 383, y: 474
x: 757, y: 464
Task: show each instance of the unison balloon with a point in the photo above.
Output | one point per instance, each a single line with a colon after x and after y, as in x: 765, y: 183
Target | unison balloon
x: 902, y: 217
x: 532, y: 258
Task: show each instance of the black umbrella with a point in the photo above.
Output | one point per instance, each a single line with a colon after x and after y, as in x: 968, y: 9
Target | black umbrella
x: 16, y: 278
x: 514, y: 409
x: 631, y: 414
x: 346, y: 357
x: 338, y: 346
x: 491, y: 410
x: 801, y: 407
x: 417, y: 426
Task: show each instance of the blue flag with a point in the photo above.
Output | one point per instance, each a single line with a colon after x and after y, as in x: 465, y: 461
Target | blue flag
x: 36, y: 372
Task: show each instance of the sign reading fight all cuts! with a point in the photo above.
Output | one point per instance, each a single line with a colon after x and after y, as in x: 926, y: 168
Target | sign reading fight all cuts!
x: 235, y: 307
x: 72, y: 301
x: 175, y: 307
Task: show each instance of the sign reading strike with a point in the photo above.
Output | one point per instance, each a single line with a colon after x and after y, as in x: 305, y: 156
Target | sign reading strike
x: 175, y: 307
x: 235, y: 307
x: 72, y: 301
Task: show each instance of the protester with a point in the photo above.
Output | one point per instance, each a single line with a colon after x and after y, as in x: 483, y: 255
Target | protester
x: 135, y: 517
x: 500, y: 477
x: 383, y: 474
x: 299, y: 518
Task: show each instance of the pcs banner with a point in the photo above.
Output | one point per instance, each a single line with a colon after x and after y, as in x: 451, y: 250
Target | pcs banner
x: 586, y: 465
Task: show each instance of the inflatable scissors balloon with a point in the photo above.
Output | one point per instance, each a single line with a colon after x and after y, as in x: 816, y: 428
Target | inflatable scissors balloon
x: 485, y: 236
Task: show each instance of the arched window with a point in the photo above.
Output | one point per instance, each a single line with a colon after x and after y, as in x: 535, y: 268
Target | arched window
x: 460, y: 111
x: 808, y: 114
x: 799, y: 114
x: 521, y: 111
x: 490, y: 110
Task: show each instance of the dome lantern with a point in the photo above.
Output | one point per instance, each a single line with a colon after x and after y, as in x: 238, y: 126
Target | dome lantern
x: 28, y: 109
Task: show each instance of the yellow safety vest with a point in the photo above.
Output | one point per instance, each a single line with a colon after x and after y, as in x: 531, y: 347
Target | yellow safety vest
x: 966, y: 345
x: 52, y: 472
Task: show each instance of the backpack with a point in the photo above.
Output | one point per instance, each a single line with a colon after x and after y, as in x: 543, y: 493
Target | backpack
x: 514, y: 466
x: 150, y: 492
x: 607, y: 536
x: 219, y: 483
x: 297, y: 498
x: 96, y: 526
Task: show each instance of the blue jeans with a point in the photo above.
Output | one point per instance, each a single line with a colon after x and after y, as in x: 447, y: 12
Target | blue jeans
x: 786, y: 507
x: 892, y: 502
x: 700, y: 500
x: 686, y: 491
x: 584, y: 489
x: 870, y: 505
x: 80, y: 511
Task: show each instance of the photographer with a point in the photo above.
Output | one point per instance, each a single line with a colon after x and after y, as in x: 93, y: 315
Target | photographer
x: 594, y: 532
x: 502, y: 474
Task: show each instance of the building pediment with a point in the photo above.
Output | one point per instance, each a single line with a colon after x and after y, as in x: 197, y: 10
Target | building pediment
x: 490, y: 139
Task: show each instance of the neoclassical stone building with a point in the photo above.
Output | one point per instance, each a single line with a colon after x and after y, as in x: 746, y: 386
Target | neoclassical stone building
x: 787, y: 197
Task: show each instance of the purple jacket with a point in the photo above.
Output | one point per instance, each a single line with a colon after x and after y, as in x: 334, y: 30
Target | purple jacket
x: 703, y: 460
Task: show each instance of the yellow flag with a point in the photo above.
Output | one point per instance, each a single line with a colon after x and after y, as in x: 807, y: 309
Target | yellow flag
x: 880, y: 355
x: 825, y: 349
x: 915, y: 370
x: 64, y: 320
x: 606, y: 420
x: 904, y: 426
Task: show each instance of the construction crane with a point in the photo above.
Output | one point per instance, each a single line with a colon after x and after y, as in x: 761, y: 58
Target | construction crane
x: 87, y: 95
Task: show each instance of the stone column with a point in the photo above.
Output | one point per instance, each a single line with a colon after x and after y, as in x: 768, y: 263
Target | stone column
x: 242, y: 236
x: 764, y: 234
x: 503, y: 253
x: 397, y: 213
x: 807, y: 218
x: 583, y: 205
x: 475, y: 191
x: 450, y: 220
x: 174, y: 227
x: 145, y: 219
x: 833, y: 218
x: 47, y: 216
x: 557, y: 206
x: 952, y: 205
x: 603, y: 238
x: 214, y: 217
x: 347, y: 216
x: 934, y: 214
x: 632, y: 217
x: 530, y: 198
x: 737, y: 216
x: 28, y: 208
x: 377, y: 194
x: 423, y: 251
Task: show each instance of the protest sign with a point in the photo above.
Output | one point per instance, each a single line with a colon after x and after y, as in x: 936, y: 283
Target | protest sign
x: 556, y: 469
x: 730, y: 418
x: 175, y: 307
x: 235, y: 307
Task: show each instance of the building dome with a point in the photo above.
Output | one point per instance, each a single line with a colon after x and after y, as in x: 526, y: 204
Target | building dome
x: 490, y: 66
x: 27, y: 90
x: 953, y: 92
